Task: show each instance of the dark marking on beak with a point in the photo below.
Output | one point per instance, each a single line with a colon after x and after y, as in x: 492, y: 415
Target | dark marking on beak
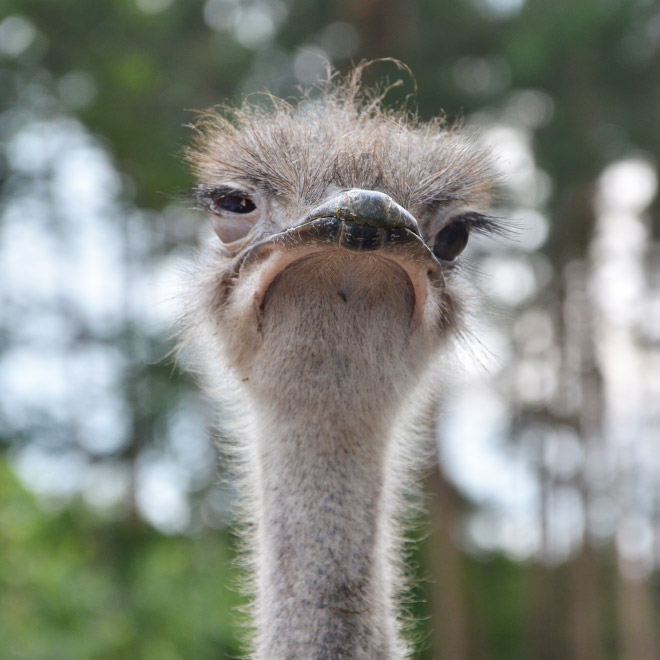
x: 366, y: 208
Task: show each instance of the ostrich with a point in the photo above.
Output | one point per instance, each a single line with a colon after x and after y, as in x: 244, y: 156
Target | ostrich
x: 322, y: 312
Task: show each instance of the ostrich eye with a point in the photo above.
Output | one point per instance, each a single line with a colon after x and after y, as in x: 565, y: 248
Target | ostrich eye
x: 233, y: 211
x: 451, y: 241
x: 232, y: 203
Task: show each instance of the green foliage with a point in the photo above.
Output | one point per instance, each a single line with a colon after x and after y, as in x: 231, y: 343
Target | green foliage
x: 500, y: 581
x: 76, y: 586
x: 145, y: 88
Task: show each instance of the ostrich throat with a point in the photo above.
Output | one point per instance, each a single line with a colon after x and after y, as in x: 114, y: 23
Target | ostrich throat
x: 335, y: 331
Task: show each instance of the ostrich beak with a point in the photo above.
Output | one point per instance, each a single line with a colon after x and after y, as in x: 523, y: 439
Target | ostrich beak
x: 360, y: 220
x: 356, y: 220
x: 367, y: 208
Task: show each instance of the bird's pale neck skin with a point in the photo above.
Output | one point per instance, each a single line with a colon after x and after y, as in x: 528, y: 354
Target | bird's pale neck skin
x: 324, y: 408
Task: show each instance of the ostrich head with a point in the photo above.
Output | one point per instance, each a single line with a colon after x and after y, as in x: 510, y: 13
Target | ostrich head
x: 332, y: 284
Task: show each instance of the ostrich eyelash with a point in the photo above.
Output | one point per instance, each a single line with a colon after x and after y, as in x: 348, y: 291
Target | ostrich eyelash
x: 203, y: 195
x: 487, y: 225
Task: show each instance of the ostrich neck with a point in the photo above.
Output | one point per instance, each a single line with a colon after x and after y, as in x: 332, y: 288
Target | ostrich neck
x: 322, y: 585
x: 325, y: 401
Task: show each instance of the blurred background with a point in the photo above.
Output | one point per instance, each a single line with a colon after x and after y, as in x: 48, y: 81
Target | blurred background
x: 543, y: 540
